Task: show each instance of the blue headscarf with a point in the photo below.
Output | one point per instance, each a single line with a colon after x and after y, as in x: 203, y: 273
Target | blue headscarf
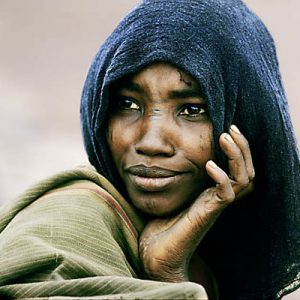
x: 254, y: 247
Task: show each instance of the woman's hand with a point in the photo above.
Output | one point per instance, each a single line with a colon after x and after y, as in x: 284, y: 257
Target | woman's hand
x: 167, y: 245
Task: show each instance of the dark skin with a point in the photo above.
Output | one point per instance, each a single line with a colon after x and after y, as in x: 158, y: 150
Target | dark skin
x: 160, y: 137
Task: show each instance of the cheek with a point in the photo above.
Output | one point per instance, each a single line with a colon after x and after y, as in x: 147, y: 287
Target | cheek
x: 119, y: 139
x: 198, y: 144
x: 206, y: 144
x: 114, y: 139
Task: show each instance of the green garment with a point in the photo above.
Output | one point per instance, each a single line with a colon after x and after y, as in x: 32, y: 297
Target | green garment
x: 73, y: 236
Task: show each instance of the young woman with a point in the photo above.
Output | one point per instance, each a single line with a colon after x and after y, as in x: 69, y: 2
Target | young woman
x: 195, y: 188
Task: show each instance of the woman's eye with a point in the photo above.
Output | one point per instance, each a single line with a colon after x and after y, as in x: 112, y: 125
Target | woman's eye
x: 193, y: 110
x: 128, y: 104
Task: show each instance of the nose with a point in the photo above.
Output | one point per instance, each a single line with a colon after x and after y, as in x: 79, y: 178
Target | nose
x: 155, y: 139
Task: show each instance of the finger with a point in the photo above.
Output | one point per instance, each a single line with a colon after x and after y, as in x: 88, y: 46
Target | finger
x: 245, y: 191
x: 236, y: 162
x: 207, y: 207
x: 243, y: 144
x: 223, y: 190
x: 191, y: 225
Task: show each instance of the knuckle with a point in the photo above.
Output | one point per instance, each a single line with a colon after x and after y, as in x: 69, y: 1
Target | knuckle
x: 230, y: 196
x: 225, y: 195
x: 237, y: 155
x: 243, y: 189
x: 226, y: 198
x: 243, y: 183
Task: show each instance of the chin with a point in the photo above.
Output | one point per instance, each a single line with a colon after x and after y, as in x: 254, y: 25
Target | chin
x: 155, y: 208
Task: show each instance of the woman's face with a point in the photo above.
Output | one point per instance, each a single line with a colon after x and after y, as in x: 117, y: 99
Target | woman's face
x: 160, y: 137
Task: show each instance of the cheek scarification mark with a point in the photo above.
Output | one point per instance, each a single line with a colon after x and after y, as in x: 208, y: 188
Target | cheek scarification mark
x: 109, y: 137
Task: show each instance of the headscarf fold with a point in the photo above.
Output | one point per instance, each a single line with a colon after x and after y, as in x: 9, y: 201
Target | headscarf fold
x: 254, y: 247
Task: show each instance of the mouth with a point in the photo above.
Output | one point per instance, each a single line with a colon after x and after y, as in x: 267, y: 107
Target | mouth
x: 152, y: 179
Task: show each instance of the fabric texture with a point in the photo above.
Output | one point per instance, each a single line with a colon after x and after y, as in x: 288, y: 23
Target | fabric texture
x: 254, y: 248
x: 73, y: 236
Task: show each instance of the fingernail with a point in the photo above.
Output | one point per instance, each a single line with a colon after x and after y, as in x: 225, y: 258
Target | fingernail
x: 229, y: 138
x: 212, y: 164
x: 235, y: 129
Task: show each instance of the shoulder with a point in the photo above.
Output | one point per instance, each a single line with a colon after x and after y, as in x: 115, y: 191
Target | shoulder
x: 77, y: 191
x: 80, y: 204
x: 73, y: 205
x: 76, y: 222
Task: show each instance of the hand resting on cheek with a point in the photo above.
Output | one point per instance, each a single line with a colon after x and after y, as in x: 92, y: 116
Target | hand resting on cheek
x: 167, y: 244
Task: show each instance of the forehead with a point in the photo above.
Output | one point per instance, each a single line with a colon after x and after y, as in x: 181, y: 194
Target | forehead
x: 159, y: 74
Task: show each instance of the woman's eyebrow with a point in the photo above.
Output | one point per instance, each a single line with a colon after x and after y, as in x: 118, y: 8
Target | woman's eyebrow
x: 132, y: 86
x: 175, y: 94
x: 186, y: 93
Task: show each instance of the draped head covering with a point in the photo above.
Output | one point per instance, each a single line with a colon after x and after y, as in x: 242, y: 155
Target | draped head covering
x: 254, y: 247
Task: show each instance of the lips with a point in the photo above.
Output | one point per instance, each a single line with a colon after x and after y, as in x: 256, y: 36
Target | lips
x: 152, y: 172
x: 152, y: 179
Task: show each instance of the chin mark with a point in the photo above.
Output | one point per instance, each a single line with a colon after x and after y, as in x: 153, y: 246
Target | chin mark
x: 151, y: 205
